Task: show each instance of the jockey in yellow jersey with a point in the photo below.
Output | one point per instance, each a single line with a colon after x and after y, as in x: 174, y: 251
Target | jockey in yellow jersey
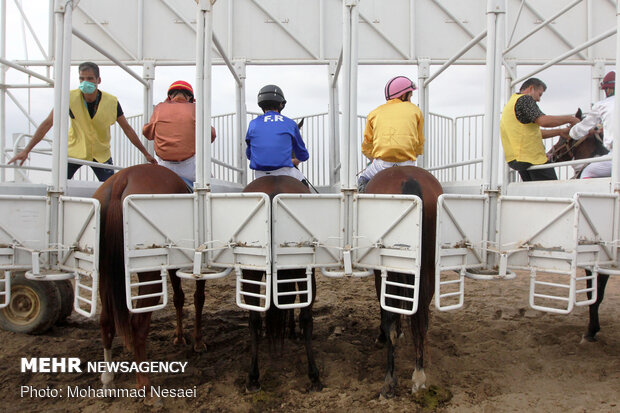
x: 393, y: 134
x: 92, y: 113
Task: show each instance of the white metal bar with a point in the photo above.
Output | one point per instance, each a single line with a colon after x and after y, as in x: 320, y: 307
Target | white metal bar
x: 385, y: 37
x: 542, y: 25
x: 25, y: 70
x: 108, y: 33
x: 101, y: 50
x: 287, y: 31
x: 568, y: 54
x: 557, y: 33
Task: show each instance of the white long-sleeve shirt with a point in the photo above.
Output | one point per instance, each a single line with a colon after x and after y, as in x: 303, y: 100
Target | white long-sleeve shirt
x: 602, y: 112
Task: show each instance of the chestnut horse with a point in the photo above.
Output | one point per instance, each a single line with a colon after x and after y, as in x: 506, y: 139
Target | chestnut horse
x: 589, y: 146
x: 412, y: 181
x: 115, y: 317
x: 278, y: 321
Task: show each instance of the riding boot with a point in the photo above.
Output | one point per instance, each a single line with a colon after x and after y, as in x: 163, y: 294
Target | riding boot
x: 362, y: 181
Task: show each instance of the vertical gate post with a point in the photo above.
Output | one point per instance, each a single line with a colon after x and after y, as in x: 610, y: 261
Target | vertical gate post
x: 241, y: 123
x: 423, y: 74
x: 148, y: 73
x: 496, y: 10
x: 334, y: 125
x: 615, y: 169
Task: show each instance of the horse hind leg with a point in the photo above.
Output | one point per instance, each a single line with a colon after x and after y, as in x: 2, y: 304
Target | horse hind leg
x: 106, y: 322
x: 253, y: 384
x: 199, y: 301
x: 419, y: 327
x: 307, y: 325
x: 389, y: 326
x: 593, y: 324
x: 178, y: 298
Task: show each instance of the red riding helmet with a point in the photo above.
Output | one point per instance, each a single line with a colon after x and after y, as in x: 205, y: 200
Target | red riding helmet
x: 398, y: 86
x: 182, y: 85
x: 609, y: 81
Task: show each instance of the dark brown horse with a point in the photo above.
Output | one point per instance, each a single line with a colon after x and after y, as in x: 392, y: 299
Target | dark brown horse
x: 115, y: 317
x: 588, y: 146
x: 413, y: 181
x: 280, y: 323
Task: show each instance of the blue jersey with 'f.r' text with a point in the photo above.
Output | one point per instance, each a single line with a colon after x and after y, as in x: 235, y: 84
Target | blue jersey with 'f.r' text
x: 271, y: 139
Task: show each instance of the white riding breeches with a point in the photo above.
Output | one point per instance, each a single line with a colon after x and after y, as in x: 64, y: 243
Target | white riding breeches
x: 378, y: 165
x: 597, y: 170
x: 185, y: 169
x: 287, y: 170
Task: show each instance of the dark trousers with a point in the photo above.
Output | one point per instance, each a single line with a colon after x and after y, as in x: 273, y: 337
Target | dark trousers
x: 535, y: 175
x: 101, y: 173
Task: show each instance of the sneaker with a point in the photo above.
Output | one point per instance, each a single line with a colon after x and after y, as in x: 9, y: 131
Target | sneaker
x: 362, y: 181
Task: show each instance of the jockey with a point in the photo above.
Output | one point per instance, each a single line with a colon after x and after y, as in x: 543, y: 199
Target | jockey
x: 173, y: 128
x: 272, y: 138
x: 601, y: 116
x: 393, y: 134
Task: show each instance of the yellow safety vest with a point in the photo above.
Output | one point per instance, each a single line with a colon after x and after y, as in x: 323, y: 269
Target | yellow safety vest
x: 89, y: 138
x: 521, y: 142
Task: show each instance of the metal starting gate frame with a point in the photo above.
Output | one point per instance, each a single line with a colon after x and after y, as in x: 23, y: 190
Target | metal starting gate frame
x: 154, y: 242
x: 24, y: 237
x: 563, y: 235
x: 308, y: 233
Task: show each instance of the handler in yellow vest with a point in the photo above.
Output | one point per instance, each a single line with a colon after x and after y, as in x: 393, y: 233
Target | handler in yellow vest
x: 92, y: 113
x: 521, y: 134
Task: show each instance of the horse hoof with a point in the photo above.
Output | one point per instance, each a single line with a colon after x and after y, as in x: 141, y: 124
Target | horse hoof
x: 316, y: 386
x: 155, y: 402
x: 252, y: 388
x: 387, y: 392
x: 107, y: 379
x: 380, y: 341
x: 588, y: 338
x: 179, y: 340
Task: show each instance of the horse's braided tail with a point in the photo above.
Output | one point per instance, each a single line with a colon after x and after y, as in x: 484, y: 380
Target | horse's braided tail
x: 112, y: 261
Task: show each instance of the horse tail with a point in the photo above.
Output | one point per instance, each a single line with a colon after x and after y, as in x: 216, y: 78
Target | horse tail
x: 411, y: 187
x: 112, y: 261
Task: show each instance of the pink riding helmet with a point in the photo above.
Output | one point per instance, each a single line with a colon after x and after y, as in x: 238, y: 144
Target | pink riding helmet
x: 398, y: 86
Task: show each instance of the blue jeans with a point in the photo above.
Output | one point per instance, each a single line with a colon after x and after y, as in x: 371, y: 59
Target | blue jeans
x: 101, y: 173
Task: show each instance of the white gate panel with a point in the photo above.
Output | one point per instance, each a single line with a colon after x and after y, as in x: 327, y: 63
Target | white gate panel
x: 239, y: 231
x: 307, y: 234
x: 597, y: 226
x: 387, y: 236
x: 561, y: 235
x: 537, y: 232
x: 24, y: 228
x: 388, y: 233
x: 79, y: 238
x: 159, y: 232
x: 461, y: 242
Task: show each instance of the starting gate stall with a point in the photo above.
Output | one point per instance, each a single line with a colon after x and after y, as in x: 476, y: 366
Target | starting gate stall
x: 155, y: 243
x: 386, y: 237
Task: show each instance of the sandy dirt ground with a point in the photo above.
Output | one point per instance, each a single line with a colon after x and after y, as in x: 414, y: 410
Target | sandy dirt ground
x: 494, y: 355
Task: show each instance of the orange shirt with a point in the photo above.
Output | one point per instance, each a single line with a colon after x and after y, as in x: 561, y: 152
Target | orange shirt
x: 173, y: 128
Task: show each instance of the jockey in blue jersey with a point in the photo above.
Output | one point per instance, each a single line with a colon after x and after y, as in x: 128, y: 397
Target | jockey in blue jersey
x: 272, y: 138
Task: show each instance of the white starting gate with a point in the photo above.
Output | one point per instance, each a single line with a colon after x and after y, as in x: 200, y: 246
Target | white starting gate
x: 238, y: 236
x: 561, y: 235
x: 24, y: 237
